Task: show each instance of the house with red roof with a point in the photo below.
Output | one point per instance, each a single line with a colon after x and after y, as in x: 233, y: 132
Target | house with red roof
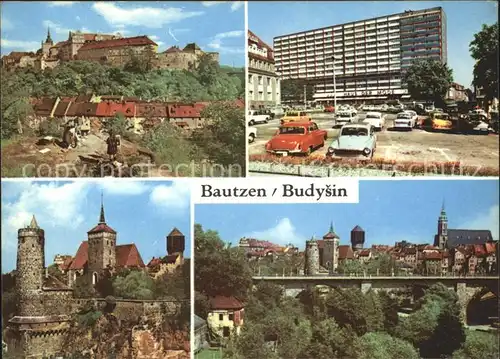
x: 174, y: 259
x: 226, y: 316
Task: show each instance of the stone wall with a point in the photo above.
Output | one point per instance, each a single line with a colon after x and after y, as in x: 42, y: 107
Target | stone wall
x: 43, y: 345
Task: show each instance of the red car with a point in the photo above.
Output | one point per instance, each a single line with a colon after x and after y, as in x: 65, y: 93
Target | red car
x: 329, y: 109
x: 297, y: 138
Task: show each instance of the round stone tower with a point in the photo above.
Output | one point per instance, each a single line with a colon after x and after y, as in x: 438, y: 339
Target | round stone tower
x: 30, y: 269
x: 311, y: 258
x: 357, y: 238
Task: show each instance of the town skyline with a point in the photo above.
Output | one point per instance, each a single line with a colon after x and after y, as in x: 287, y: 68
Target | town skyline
x: 464, y: 19
x: 67, y: 210
x: 177, y: 24
x: 281, y: 224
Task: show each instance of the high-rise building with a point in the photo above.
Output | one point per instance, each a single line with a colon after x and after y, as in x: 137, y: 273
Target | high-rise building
x: 369, y: 56
x: 263, y: 82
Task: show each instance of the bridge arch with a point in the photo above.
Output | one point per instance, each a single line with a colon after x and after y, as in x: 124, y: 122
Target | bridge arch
x: 481, y: 307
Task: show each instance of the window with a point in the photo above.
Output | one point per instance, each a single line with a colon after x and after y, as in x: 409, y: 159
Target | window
x: 221, y: 317
x: 231, y: 316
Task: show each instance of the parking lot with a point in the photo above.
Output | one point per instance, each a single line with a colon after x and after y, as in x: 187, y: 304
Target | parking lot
x: 403, y: 145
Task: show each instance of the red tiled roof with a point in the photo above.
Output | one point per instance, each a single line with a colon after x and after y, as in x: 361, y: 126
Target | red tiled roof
x: 45, y: 106
x: 67, y: 262
x: 110, y: 109
x: 151, y: 109
x: 102, y: 227
x: 221, y: 302
x: 240, y: 103
x: 364, y: 253
x: 81, y: 257
x: 490, y: 247
x: 479, y: 250
x: 345, y: 252
x: 83, y: 98
x: 185, y: 111
x: 154, y: 262
x: 61, y: 108
x: 16, y: 55
x: 82, y: 109
x: 432, y: 255
x: 127, y: 255
x: 61, y: 43
x: 173, y: 49
x: 126, y: 41
x: 330, y: 235
x: 170, y: 259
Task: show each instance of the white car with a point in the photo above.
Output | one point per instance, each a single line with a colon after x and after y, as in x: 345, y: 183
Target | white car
x: 413, y: 114
x: 404, y: 120
x: 252, y: 134
x: 346, y: 117
x: 255, y: 117
x: 375, y: 119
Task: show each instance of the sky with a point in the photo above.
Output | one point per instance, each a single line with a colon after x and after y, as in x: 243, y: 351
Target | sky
x: 464, y: 18
x: 388, y: 211
x: 214, y: 26
x: 143, y: 213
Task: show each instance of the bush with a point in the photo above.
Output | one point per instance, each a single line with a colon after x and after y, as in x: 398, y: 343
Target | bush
x: 50, y: 127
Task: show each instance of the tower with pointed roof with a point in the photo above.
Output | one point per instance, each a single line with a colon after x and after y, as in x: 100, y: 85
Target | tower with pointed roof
x: 47, y: 44
x: 311, y: 263
x: 101, y: 248
x: 441, y: 238
x: 176, y: 242
x: 330, y: 250
x: 30, y: 268
x: 357, y: 238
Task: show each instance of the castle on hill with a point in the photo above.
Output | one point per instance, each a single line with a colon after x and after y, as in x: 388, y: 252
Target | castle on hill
x: 108, y: 49
x: 46, y: 304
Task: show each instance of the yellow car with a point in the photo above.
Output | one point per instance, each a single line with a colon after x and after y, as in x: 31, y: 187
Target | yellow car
x: 295, y: 116
x: 439, y: 121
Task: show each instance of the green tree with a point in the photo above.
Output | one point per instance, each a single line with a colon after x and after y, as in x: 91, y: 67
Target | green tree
x: 382, y: 346
x: 351, y: 267
x: 207, y: 70
x: 118, y: 124
x: 136, y: 285
x: 293, y: 91
x: 478, y: 345
x: 390, y: 310
x: 55, y: 272
x: 428, y: 80
x: 104, y: 285
x: 484, y: 49
x: 220, y: 272
x: 223, y: 138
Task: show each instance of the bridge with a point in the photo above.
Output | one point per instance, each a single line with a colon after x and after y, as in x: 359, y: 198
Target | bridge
x: 467, y: 287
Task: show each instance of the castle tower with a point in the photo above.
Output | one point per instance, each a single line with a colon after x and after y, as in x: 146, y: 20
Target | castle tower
x: 330, y: 256
x: 311, y: 258
x: 441, y: 238
x: 47, y: 44
x: 357, y: 238
x: 176, y: 242
x: 102, y: 248
x: 30, y: 268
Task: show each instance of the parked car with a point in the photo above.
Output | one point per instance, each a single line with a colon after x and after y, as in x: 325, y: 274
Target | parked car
x: 345, y: 117
x: 329, y: 109
x: 414, y: 116
x: 404, y: 120
x: 475, y: 123
x: 255, y: 117
x: 297, y: 138
x: 277, y: 111
x: 355, y: 140
x: 252, y: 134
x: 295, y: 116
x: 439, y: 121
x: 375, y: 119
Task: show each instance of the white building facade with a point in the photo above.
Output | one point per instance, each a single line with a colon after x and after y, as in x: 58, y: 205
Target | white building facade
x: 263, y: 85
x: 370, y: 55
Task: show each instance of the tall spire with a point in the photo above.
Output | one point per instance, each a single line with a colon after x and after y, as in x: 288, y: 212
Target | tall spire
x: 33, y: 223
x: 49, y: 39
x: 331, y: 227
x: 101, y: 217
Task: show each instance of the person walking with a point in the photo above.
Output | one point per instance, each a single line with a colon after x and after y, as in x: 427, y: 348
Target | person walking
x: 113, y: 144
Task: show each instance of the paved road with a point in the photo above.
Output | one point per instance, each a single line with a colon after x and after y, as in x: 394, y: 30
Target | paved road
x: 416, y: 145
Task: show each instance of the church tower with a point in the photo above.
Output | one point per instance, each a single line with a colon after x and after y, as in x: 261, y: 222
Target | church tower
x: 441, y: 238
x: 102, y: 248
x: 330, y: 257
x: 47, y: 44
x: 30, y: 269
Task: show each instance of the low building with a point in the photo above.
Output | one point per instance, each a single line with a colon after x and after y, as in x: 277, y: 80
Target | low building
x: 186, y: 116
x: 226, y: 316
x: 457, y: 93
